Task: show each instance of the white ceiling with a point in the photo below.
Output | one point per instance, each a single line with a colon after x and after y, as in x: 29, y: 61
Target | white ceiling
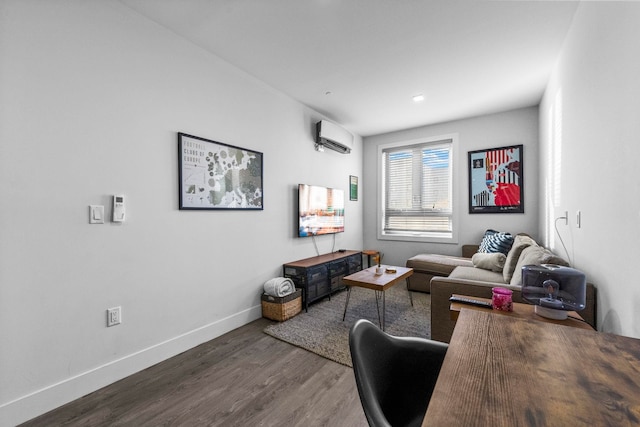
x: 359, y: 62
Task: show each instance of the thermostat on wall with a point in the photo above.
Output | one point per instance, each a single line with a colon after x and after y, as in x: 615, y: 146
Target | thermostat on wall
x: 118, y: 209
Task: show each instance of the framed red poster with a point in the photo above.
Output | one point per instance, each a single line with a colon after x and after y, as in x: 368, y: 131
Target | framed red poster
x: 496, y: 180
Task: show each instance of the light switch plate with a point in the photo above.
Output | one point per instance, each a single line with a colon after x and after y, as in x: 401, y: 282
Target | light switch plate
x: 579, y: 219
x: 96, y: 214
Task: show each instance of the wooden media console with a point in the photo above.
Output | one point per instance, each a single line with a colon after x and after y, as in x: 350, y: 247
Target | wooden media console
x: 320, y: 276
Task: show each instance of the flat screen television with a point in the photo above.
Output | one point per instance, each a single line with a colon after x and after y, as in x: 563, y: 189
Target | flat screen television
x: 320, y: 210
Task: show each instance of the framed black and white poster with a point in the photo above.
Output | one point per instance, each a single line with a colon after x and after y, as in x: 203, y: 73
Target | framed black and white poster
x: 213, y: 175
x: 496, y: 180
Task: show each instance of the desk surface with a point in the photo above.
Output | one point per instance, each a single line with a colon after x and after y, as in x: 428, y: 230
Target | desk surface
x: 506, y: 371
x: 524, y: 311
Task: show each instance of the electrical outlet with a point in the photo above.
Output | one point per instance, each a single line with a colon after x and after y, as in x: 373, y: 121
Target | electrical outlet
x: 114, y: 316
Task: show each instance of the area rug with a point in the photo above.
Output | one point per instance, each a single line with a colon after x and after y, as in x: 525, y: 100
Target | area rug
x: 321, y: 330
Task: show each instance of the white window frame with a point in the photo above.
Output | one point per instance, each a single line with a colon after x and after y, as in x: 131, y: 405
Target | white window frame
x: 427, y: 237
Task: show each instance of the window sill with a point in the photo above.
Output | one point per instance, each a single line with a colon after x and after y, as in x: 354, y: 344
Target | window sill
x: 421, y: 237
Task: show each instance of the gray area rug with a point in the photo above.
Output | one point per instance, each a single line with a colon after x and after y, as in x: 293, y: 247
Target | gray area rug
x: 322, y: 331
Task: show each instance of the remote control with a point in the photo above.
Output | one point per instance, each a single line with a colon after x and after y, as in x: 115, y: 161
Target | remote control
x: 470, y: 301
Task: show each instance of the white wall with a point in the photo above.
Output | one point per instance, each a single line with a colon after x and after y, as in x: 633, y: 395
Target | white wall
x: 92, y: 96
x: 590, y: 130
x: 495, y: 130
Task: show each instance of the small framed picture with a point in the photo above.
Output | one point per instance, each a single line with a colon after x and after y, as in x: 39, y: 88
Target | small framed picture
x: 353, y: 187
x: 214, y: 175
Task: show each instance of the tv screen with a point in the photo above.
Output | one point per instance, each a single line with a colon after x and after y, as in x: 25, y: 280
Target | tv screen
x: 320, y: 210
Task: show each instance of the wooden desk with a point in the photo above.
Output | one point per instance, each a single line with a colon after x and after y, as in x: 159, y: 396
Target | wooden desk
x: 523, y: 311
x: 506, y: 371
x: 378, y: 282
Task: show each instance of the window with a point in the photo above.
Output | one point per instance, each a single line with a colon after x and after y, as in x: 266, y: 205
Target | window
x: 417, y: 191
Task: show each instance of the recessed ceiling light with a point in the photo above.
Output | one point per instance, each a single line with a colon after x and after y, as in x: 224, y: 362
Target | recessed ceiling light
x: 418, y: 98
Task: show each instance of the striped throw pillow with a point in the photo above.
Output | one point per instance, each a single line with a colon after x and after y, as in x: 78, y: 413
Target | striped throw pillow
x: 496, y: 241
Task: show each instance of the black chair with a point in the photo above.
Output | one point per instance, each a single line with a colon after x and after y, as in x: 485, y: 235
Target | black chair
x: 395, y: 375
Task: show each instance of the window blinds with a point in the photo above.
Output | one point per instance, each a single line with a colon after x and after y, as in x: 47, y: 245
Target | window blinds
x: 418, y: 188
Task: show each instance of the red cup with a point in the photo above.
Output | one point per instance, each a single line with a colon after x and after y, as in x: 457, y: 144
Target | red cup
x: 502, y: 299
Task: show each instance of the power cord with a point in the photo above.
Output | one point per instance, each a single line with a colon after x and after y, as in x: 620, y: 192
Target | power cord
x: 313, y: 237
x: 560, y: 237
x: 576, y: 318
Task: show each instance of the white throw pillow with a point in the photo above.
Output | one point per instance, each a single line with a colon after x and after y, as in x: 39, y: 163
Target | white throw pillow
x: 493, y: 261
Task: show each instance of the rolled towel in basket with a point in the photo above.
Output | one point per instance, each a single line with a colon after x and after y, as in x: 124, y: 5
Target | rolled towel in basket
x: 279, y: 287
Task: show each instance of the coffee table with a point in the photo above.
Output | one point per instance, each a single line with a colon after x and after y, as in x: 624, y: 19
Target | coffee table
x: 368, y: 279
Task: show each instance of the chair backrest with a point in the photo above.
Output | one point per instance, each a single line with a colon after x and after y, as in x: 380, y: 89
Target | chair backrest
x: 395, y: 375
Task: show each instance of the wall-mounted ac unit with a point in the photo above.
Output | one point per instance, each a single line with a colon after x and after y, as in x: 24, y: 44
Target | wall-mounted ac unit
x: 334, y: 137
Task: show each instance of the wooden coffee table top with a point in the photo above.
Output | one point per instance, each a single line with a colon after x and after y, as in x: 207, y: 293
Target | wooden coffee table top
x: 378, y: 282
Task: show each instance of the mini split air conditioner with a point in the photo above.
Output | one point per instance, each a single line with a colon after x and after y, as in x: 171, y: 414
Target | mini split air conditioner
x: 333, y: 136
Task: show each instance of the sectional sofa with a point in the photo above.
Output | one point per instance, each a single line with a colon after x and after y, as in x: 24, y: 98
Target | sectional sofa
x: 475, y: 273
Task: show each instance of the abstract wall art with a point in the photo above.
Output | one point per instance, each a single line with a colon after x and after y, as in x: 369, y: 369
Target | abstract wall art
x: 496, y: 180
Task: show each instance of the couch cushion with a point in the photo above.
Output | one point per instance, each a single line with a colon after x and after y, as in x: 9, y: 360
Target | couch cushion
x: 535, y: 255
x: 472, y: 273
x: 435, y: 263
x: 520, y: 242
x: 493, y: 262
x: 496, y: 241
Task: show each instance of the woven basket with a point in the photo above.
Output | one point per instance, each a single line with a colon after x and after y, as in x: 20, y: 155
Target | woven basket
x: 282, y: 308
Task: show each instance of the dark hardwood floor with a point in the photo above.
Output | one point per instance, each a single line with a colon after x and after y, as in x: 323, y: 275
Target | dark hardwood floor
x: 243, y: 378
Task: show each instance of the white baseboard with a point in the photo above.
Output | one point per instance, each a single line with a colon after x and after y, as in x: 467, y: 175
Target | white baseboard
x: 41, y: 401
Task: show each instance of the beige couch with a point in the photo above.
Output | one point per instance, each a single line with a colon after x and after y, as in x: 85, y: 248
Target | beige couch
x: 427, y: 266
x: 446, y: 275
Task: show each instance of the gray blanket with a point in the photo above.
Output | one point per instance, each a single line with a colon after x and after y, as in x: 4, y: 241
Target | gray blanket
x: 279, y: 287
